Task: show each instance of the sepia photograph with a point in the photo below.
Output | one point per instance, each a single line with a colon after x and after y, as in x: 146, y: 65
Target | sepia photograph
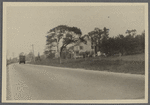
x: 65, y: 52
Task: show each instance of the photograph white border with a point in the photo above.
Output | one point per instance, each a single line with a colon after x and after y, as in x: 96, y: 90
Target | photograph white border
x: 7, y: 4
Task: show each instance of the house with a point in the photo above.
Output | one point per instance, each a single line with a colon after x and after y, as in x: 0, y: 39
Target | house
x: 76, y: 50
x: 79, y: 48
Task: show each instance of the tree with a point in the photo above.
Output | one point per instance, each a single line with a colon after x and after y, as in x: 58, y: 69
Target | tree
x: 62, y: 36
x: 129, y: 44
x: 95, y: 36
x: 104, y: 41
x: 120, y: 44
x: 29, y: 56
x: 105, y: 33
x: 49, y: 50
x: 131, y: 32
x: 140, y: 42
x: 49, y: 54
x: 143, y: 40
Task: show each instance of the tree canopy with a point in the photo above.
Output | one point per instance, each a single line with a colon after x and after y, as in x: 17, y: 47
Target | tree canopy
x: 97, y: 36
x: 61, y: 36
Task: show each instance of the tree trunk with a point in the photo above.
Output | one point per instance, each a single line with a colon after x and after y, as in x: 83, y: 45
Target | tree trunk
x: 75, y: 55
x: 95, y: 51
x: 60, y: 58
x: 61, y: 49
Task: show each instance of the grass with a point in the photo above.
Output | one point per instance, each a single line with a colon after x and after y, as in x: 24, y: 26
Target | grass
x: 8, y: 63
x: 133, y: 64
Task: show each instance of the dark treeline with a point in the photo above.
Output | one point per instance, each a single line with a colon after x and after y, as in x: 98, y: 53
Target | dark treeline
x: 124, y: 44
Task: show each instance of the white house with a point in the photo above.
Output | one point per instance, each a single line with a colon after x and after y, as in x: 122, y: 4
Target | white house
x: 80, y: 47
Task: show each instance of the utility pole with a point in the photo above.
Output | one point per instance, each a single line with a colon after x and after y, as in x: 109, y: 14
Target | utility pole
x: 33, y: 52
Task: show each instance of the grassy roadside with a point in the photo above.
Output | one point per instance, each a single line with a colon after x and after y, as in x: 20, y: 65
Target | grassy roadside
x: 8, y: 63
x: 124, y: 64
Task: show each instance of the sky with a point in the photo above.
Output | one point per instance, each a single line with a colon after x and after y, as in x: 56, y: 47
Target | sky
x: 27, y: 25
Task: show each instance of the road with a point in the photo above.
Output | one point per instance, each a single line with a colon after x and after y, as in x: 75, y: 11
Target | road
x: 34, y: 82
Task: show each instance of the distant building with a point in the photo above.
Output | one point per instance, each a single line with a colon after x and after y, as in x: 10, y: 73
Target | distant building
x: 79, y: 48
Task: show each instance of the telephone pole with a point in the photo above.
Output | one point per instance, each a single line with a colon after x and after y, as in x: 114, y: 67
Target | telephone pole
x: 33, y: 52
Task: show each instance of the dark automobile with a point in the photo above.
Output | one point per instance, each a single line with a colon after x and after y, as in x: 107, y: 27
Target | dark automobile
x: 22, y: 59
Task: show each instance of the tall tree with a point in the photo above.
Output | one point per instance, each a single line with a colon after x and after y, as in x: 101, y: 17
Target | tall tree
x: 105, y: 33
x: 104, y: 40
x: 95, y: 36
x: 62, y: 36
x: 143, y: 40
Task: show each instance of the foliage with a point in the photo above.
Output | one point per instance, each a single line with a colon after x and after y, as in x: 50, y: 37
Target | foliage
x: 95, y: 36
x: 49, y: 54
x: 126, y: 45
x: 98, y: 36
x: 29, y: 56
x: 61, y: 36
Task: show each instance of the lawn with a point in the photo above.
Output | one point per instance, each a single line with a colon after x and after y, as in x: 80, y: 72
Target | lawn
x: 134, y: 64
